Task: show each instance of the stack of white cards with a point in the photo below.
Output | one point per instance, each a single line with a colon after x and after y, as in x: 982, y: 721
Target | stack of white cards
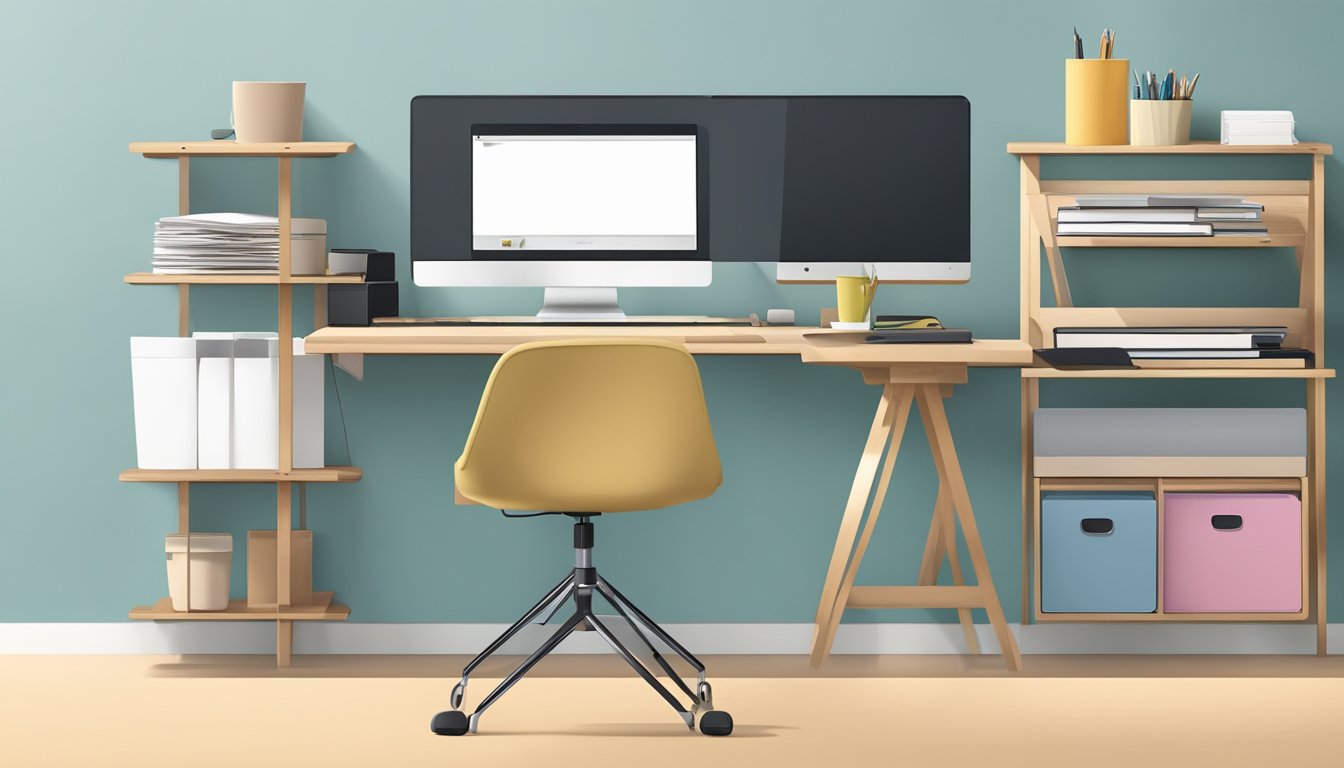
x: 1241, y: 126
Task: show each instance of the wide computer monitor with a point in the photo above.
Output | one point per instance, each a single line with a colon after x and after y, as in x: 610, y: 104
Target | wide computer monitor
x: 581, y: 194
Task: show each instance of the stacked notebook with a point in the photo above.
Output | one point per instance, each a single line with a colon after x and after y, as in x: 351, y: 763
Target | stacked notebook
x: 1162, y: 216
x: 1169, y: 347
x: 222, y: 243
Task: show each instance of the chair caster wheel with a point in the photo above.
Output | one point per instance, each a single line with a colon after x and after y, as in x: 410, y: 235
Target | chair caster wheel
x: 716, y: 722
x: 454, y: 723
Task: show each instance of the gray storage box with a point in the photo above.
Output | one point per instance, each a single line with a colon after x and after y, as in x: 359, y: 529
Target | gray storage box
x: 1098, y: 552
x: 1170, y: 442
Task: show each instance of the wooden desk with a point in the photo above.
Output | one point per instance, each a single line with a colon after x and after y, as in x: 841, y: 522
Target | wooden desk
x: 909, y: 374
x: 496, y: 340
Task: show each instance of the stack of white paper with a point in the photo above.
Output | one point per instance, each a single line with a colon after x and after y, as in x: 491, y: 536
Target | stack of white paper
x: 1242, y: 126
x: 216, y: 242
x: 222, y: 243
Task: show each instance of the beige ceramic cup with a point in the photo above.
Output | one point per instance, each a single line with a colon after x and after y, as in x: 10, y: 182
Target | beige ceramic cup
x: 267, y: 112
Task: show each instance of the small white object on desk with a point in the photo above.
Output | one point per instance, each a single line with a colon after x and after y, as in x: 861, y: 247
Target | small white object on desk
x: 1256, y: 126
x: 779, y: 316
x: 859, y: 326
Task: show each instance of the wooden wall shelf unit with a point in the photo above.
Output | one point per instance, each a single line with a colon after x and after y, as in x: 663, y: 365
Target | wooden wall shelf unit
x: 1294, y: 215
x: 287, y: 478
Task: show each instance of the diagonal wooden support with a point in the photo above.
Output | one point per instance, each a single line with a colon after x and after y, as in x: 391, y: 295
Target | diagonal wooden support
x: 903, y: 395
x: 949, y: 468
x: 953, y: 504
x: 849, y: 523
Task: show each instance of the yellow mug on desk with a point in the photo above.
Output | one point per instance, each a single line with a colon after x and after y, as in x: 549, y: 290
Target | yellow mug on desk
x: 854, y: 297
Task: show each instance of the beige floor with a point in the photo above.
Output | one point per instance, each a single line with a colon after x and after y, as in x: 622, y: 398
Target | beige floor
x: 857, y: 711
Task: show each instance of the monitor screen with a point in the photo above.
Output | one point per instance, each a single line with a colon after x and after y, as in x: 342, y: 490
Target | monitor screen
x: 583, y: 188
x: 815, y: 184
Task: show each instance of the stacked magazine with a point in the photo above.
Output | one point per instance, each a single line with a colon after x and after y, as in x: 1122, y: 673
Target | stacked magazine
x: 1162, y: 216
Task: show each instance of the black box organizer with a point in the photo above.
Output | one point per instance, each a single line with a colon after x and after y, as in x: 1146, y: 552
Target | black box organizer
x: 358, y: 303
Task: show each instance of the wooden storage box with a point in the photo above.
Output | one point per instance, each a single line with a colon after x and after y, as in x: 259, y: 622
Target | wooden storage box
x: 261, y: 553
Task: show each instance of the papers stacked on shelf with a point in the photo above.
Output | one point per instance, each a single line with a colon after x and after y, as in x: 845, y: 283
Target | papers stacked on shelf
x: 1258, y: 126
x: 1161, y: 215
x: 223, y: 243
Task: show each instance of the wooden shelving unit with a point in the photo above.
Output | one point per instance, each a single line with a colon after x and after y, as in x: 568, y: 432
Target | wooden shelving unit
x: 287, y: 479
x: 1294, y: 216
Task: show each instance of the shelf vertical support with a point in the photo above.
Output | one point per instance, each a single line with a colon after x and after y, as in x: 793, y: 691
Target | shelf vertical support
x: 1030, y: 289
x: 184, y: 330
x: 284, y: 642
x: 284, y: 630
x: 183, y: 208
x: 286, y: 324
x: 284, y: 490
x: 1316, y: 387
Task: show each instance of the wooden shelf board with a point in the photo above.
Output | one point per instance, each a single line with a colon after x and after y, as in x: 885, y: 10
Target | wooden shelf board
x: 148, y: 278
x: 1169, y: 466
x: 1274, y: 240
x: 234, y: 149
x: 320, y: 475
x: 322, y: 609
x: 1193, y: 148
x: 1186, y: 618
x: 1180, y: 373
x: 1174, y: 484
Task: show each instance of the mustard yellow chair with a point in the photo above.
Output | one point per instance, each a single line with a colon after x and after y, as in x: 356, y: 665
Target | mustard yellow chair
x: 584, y: 428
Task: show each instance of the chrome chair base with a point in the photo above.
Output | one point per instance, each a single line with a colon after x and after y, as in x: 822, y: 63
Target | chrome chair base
x: 580, y: 585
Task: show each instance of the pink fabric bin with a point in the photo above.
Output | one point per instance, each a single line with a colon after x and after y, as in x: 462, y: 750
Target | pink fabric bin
x: 1232, y: 552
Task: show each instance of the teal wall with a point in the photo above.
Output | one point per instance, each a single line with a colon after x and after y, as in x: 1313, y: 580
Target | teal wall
x: 78, y: 80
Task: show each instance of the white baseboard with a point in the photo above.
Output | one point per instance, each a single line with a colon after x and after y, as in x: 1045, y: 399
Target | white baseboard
x: 193, y: 637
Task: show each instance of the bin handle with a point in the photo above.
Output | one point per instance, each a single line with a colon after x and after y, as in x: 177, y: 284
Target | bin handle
x: 1226, y: 522
x: 1098, y: 525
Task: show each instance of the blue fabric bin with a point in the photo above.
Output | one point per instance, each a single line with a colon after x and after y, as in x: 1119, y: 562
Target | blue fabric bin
x: 1098, y: 552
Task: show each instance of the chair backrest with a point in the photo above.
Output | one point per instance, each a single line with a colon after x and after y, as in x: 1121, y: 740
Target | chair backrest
x: 591, y: 425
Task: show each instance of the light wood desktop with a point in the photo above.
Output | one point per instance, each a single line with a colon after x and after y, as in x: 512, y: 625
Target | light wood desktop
x: 911, y: 375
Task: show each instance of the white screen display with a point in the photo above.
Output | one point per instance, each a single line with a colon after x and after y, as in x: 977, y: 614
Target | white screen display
x: 584, y: 193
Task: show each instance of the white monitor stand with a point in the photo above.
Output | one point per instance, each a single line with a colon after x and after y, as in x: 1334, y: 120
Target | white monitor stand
x: 569, y: 304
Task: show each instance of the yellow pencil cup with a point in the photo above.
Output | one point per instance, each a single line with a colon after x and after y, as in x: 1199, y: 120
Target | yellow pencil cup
x: 1155, y: 123
x: 854, y: 297
x: 1096, y: 98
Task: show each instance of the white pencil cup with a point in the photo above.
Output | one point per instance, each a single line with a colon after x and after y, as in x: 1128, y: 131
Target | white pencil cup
x: 1158, y: 123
